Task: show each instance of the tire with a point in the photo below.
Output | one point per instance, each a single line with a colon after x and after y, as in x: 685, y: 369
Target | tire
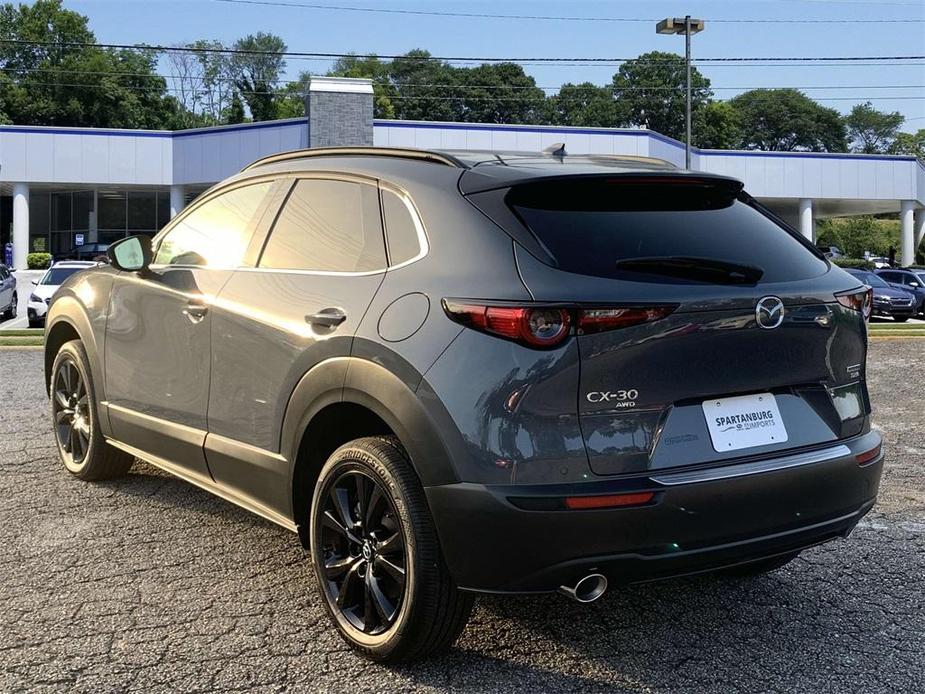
x: 757, y: 568
x: 12, y: 309
x: 423, y: 612
x: 75, y: 422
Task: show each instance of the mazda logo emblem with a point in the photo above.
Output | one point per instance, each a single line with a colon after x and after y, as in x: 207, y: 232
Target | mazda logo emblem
x: 769, y: 312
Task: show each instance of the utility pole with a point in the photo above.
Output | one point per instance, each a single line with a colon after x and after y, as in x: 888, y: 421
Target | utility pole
x: 688, y: 27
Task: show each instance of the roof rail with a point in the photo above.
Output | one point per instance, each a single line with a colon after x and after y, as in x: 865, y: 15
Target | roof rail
x: 400, y: 152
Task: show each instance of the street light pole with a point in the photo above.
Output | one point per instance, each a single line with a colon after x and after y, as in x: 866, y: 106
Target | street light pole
x: 687, y: 111
x: 688, y: 27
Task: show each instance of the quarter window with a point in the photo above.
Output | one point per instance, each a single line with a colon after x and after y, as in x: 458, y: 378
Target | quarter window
x: 327, y: 226
x: 217, y: 233
x: 401, y: 229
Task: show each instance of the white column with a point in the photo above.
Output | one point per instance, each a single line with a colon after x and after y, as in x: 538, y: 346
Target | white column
x: 807, y: 221
x: 177, y: 200
x: 907, y: 236
x: 918, y: 222
x: 20, y: 225
x: 93, y: 232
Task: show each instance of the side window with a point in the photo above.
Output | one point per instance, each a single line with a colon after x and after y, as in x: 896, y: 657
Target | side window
x: 888, y: 276
x: 217, y: 233
x: 3, y: 273
x: 327, y: 226
x: 401, y: 228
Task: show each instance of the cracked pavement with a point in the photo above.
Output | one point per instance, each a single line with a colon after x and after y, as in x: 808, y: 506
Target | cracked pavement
x: 148, y: 583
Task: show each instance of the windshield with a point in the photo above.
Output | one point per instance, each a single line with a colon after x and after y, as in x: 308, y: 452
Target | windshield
x: 57, y: 275
x: 870, y: 279
x: 623, y: 229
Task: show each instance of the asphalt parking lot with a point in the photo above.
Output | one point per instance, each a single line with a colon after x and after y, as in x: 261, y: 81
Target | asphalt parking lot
x: 150, y: 584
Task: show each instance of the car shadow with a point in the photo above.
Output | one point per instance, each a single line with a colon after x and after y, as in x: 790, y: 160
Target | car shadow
x: 679, y: 634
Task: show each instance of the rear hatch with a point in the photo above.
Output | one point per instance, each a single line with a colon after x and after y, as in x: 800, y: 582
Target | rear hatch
x: 739, y: 347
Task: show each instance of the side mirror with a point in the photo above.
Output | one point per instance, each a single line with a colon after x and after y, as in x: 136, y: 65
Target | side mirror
x: 35, y: 282
x: 132, y: 254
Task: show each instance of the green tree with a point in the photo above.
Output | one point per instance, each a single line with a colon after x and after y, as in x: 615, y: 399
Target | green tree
x: 857, y: 235
x: 650, y: 92
x: 370, y: 67
x: 717, y: 125
x: 583, y: 105
x: 257, y: 68
x: 910, y: 143
x: 788, y: 120
x: 499, y: 93
x: 871, y: 131
x: 235, y: 111
x: 51, y: 83
x: 425, y: 88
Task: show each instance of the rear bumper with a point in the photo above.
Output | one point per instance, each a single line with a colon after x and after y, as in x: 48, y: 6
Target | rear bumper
x: 720, y: 520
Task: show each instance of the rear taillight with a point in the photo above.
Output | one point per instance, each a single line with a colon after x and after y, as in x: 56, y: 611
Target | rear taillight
x: 860, y: 300
x: 535, y: 326
x: 596, y: 320
x: 547, y: 326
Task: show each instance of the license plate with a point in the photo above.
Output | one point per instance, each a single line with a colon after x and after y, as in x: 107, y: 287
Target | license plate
x: 744, y: 422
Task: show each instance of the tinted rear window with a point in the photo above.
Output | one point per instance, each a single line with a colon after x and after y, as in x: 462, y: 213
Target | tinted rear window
x: 590, y: 227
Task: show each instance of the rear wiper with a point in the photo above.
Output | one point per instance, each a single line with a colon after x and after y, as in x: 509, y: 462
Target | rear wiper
x: 701, y: 269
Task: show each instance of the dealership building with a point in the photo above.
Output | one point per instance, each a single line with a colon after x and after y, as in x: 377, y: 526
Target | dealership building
x: 62, y: 187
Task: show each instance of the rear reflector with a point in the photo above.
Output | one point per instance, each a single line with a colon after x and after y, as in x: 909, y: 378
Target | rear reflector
x: 609, y: 501
x: 868, y: 456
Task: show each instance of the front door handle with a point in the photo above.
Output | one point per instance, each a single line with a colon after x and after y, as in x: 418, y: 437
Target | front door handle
x: 195, y: 312
x: 327, y: 317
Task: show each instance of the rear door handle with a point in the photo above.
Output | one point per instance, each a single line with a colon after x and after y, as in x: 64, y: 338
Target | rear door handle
x: 195, y: 311
x: 327, y: 317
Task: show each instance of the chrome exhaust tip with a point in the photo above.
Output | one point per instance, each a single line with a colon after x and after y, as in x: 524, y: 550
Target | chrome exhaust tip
x: 588, y: 589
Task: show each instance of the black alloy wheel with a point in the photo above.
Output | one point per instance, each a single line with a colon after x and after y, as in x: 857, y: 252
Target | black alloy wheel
x: 363, y: 552
x: 71, y: 411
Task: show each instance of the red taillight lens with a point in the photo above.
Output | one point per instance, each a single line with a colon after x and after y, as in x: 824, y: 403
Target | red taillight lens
x: 547, y: 326
x: 538, y: 327
x: 861, y: 300
x: 867, y: 456
x: 595, y: 320
x: 609, y: 501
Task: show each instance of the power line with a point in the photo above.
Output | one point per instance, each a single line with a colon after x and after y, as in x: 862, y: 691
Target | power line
x: 241, y: 51
x: 573, y: 18
x: 444, y: 85
x: 424, y: 97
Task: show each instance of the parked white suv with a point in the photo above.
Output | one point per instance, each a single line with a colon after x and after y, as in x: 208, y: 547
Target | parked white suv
x: 46, y: 287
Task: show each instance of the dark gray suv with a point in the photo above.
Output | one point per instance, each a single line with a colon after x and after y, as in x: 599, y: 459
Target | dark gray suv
x: 459, y: 373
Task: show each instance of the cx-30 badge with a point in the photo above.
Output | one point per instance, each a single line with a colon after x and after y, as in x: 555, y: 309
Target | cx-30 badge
x: 769, y: 312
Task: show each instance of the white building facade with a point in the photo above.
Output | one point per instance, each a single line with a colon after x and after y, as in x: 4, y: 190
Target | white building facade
x: 60, y: 187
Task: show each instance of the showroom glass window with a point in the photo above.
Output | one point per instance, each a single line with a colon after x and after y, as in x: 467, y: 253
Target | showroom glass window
x: 327, y: 226
x: 217, y: 233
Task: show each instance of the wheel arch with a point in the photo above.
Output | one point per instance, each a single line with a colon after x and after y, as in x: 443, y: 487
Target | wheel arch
x: 64, y: 328
x: 347, y: 398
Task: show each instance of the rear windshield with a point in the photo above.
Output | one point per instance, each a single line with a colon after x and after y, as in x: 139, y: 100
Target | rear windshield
x: 624, y: 229
x: 57, y: 275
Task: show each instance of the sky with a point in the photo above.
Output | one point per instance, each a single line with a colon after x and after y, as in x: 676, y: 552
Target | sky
x: 859, y: 31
